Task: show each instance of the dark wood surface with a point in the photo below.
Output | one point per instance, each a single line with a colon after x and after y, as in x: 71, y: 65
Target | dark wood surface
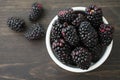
x: 21, y: 59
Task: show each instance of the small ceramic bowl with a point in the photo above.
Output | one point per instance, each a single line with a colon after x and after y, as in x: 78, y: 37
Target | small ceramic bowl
x: 73, y: 69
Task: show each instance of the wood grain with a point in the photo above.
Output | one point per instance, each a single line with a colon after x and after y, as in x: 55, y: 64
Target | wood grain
x: 21, y: 59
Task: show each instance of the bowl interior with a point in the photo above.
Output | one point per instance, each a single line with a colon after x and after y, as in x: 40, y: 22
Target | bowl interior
x: 73, y: 69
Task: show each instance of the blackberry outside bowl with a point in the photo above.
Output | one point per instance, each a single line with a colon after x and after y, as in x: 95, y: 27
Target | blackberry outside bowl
x: 74, y: 69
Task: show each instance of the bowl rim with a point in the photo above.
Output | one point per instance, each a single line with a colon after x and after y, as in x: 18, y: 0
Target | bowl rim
x: 72, y: 69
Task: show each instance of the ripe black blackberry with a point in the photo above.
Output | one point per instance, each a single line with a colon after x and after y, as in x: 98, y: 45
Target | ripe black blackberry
x: 87, y: 34
x: 35, y: 12
x: 62, y: 51
x: 96, y: 52
x: 81, y: 57
x: 106, y: 34
x: 35, y: 32
x: 94, y: 15
x: 66, y: 15
x: 70, y: 35
x: 78, y: 20
x: 17, y: 24
x: 56, y: 32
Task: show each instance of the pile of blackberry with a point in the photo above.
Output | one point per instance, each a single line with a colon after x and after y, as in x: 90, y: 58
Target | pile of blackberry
x: 36, y: 31
x: 78, y: 38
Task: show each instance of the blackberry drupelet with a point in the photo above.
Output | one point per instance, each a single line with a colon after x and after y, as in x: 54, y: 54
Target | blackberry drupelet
x: 78, y: 20
x: 96, y: 52
x: 70, y: 35
x: 81, y: 57
x: 16, y: 24
x: 94, y: 15
x: 106, y: 34
x: 87, y: 34
x: 62, y: 51
x: 56, y: 32
x: 66, y: 15
x: 35, y: 12
x: 35, y: 32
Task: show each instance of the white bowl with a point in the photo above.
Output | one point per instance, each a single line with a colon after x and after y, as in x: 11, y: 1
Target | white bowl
x: 73, y: 69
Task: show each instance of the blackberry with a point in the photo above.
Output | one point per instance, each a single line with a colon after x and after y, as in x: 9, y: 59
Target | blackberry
x: 35, y: 32
x: 62, y: 50
x: 78, y: 20
x: 35, y: 12
x: 66, y: 15
x: 96, y: 52
x: 87, y: 34
x: 81, y: 57
x: 94, y: 15
x: 70, y: 35
x: 56, y: 31
x: 106, y: 34
x: 16, y: 24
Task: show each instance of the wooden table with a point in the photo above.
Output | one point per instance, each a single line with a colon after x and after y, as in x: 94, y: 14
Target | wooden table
x: 21, y: 59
